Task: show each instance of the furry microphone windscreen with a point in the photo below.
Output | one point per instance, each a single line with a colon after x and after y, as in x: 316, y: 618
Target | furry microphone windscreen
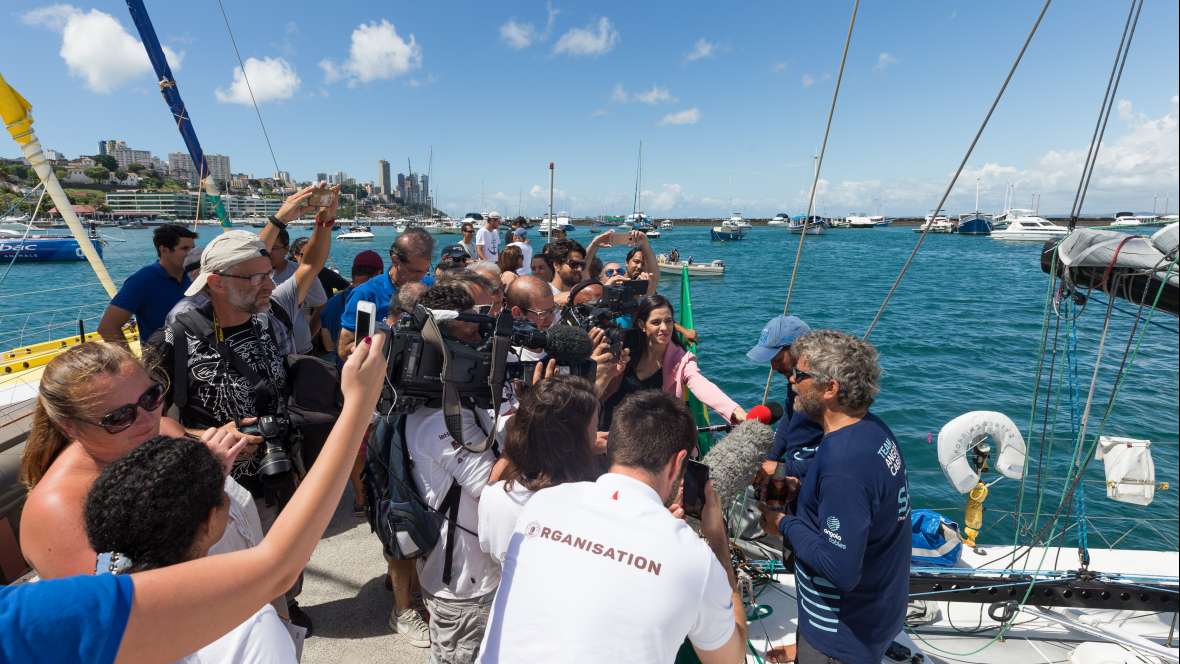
x: 733, y: 461
x: 568, y: 344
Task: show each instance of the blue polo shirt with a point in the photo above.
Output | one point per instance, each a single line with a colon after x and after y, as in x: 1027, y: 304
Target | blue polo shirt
x: 378, y: 290
x: 851, y: 538
x: 75, y: 619
x: 150, y: 294
x: 332, y: 314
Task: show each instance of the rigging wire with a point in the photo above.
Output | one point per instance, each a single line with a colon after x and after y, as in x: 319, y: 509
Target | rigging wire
x: 1112, y: 87
x: 815, y: 178
x: 962, y: 164
x: 249, y: 87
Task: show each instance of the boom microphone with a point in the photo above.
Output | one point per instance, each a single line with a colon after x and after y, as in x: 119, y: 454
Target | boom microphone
x: 568, y: 344
x: 733, y: 461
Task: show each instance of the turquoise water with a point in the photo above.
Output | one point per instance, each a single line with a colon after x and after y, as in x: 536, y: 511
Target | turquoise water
x: 962, y: 333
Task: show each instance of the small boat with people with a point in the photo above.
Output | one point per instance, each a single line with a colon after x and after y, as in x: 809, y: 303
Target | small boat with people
x: 1025, y: 226
x: 815, y: 225
x: 671, y: 263
x: 356, y: 232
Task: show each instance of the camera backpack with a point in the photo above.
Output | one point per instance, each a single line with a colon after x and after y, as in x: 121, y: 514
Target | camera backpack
x: 406, y: 524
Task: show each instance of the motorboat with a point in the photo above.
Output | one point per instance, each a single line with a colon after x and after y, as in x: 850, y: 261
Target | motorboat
x: 1132, y: 220
x: 561, y: 222
x: 714, y: 268
x: 356, y: 232
x: 780, y: 219
x: 816, y: 225
x: 652, y: 233
x: 863, y: 220
x: 737, y: 220
x: 639, y: 221
x: 729, y: 230
x: 975, y: 223
x: 936, y: 224
x: 839, y: 222
x: 1024, y: 225
x: 667, y: 225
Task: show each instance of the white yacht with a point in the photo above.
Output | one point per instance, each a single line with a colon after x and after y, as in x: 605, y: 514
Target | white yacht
x: 780, y: 219
x: 936, y: 224
x: 1025, y: 225
x: 1132, y: 220
x: 667, y: 225
x: 559, y: 223
x: 736, y: 220
x: 863, y: 220
x: 356, y: 232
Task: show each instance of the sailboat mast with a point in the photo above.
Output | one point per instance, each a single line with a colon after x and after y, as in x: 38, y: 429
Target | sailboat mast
x: 976, y: 195
x: 638, y: 181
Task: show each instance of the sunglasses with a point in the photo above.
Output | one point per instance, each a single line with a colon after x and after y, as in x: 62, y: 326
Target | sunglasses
x: 576, y: 265
x: 800, y: 376
x: 615, y: 271
x: 124, y: 416
x: 483, y: 309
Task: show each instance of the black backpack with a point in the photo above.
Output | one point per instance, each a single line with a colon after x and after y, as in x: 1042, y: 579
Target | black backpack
x: 406, y: 524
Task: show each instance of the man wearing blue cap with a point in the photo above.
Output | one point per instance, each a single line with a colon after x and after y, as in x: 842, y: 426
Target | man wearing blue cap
x: 797, y: 435
x: 520, y: 240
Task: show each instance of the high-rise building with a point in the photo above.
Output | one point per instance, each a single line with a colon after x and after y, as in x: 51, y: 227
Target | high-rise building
x: 383, y: 180
x: 283, y: 177
x: 401, y: 186
x: 107, y: 147
x: 425, y: 190
x: 180, y: 167
x: 218, y: 168
x: 341, y: 178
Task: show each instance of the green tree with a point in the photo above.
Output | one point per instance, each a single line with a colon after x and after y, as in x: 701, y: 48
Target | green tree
x: 106, y: 161
x: 59, y: 172
x: 120, y: 174
x: 137, y: 168
x: 98, y: 173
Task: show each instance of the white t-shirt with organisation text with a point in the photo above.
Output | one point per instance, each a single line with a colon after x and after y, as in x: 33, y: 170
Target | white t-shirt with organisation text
x: 635, y: 580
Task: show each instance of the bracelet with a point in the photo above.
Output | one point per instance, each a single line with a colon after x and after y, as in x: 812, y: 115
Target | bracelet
x: 275, y: 220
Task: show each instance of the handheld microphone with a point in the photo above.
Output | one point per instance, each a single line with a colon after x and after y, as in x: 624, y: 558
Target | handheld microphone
x: 734, y: 460
x: 767, y: 414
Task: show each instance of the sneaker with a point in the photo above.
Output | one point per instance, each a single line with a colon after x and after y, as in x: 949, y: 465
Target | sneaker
x: 410, y: 625
x: 298, y: 617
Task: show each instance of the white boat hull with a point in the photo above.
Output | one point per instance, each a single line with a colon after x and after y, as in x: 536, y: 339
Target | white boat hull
x: 1028, y: 236
x: 712, y: 269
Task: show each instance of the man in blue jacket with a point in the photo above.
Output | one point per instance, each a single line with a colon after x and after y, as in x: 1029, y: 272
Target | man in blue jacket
x: 851, y: 529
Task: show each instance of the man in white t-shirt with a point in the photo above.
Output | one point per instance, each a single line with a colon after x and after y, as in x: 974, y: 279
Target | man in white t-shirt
x: 487, y: 240
x: 458, y: 588
x: 637, y: 579
x: 520, y: 239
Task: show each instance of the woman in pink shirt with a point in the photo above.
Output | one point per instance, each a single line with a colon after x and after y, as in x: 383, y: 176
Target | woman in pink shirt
x: 657, y: 360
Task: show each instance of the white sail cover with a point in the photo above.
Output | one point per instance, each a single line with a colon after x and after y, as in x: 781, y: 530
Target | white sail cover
x: 1130, y: 471
x: 1088, y: 247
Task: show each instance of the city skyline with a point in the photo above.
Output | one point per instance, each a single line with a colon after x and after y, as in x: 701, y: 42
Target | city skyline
x: 730, y: 103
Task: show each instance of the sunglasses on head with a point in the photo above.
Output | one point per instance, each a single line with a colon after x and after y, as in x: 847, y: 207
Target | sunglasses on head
x: 124, y: 416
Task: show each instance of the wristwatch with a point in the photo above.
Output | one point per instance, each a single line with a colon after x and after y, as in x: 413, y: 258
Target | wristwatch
x: 275, y: 220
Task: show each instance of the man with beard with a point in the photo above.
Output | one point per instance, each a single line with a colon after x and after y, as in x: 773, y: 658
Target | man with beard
x: 851, y: 530
x: 569, y: 261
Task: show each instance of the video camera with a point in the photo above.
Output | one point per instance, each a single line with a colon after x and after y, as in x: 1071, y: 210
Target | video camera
x: 617, y: 301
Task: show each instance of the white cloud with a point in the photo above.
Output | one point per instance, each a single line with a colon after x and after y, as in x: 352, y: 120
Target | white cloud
x: 688, y: 116
x: 703, y: 48
x: 542, y: 193
x: 778, y: 67
x: 596, y: 39
x: 518, y: 35
x: 96, y: 47
x: 808, y: 80
x: 655, y: 95
x: 377, y: 53
x: 667, y: 198
x: 884, y: 61
x: 272, y: 79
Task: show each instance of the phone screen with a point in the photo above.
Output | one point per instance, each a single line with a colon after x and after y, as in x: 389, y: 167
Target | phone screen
x: 364, y: 323
x: 695, y: 476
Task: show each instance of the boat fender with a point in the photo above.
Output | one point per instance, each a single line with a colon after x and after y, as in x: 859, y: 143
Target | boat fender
x: 962, y: 434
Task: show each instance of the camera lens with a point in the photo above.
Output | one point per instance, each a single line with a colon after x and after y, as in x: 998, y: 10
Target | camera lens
x: 275, y: 460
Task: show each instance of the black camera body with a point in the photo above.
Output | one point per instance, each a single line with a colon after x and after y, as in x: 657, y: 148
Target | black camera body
x: 278, y: 435
x: 617, y: 301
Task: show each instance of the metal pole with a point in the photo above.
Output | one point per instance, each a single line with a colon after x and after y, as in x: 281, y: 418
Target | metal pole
x: 551, y: 218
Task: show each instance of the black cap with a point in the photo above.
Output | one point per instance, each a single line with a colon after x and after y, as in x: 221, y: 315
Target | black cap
x: 454, y: 252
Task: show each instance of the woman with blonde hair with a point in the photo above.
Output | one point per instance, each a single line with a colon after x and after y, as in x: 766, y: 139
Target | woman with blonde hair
x: 511, y: 259
x: 95, y: 404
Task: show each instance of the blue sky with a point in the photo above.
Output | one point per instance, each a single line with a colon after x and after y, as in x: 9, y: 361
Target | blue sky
x: 729, y: 99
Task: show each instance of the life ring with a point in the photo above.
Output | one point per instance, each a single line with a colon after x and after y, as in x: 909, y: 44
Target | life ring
x: 965, y: 432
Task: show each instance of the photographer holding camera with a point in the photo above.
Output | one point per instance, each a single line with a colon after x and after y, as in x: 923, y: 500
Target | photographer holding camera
x: 458, y: 579
x: 227, y: 361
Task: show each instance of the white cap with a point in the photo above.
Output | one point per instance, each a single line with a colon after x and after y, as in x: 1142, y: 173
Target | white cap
x: 494, y: 215
x: 225, y: 251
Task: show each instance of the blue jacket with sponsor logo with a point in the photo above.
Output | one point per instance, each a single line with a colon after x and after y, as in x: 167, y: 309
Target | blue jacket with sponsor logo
x: 851, y: 538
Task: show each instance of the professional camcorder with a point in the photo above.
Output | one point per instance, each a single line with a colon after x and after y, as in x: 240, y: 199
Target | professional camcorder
x: 617, y: 301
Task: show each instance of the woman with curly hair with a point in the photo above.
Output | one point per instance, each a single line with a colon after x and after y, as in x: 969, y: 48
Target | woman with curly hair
x: 550, y: 440
x: 163, y: 504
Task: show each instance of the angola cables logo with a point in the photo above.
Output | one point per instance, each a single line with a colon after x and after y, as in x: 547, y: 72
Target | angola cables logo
x: 833, y: 523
